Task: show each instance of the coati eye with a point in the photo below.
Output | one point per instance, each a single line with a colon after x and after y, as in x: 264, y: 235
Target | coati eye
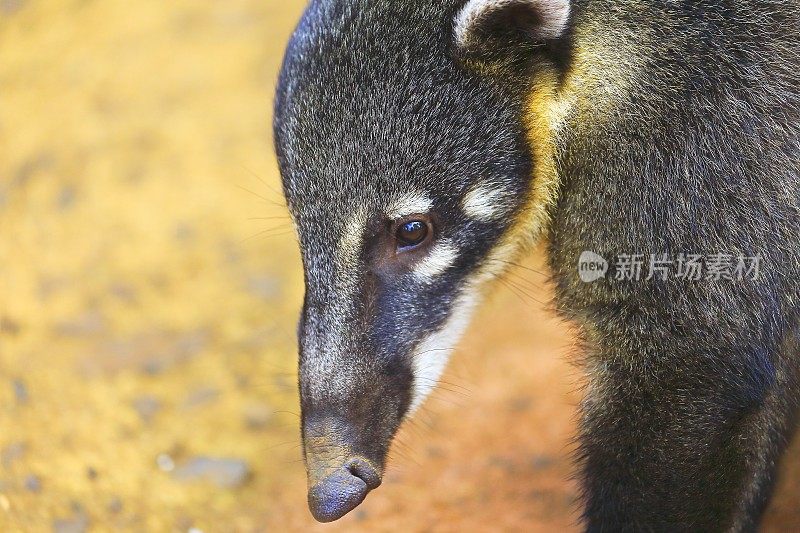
x: 411, y: 234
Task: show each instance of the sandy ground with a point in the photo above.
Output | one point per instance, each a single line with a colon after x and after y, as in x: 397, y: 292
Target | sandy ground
x: 149, y: 285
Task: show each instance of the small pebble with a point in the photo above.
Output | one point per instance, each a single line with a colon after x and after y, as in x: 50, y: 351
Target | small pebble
x: 520, y: 404
x: 66, y: 197
x: 12, y: 453
x: 184, y: 233
x: 224, y: 473
x: 435, y: 452
x: 257, y: 416
x: 21, y: 391
x: 115, y: 506
x: 33, y: 483
x: 10, y: 6
x: 502, y: 462
x: 71, y: 525
x: 77, y: 523
x: 165, y: 462
x: 242, y: 381
x: 263, y: 287
x: 123, y: 292
x: 540, y: 462
x: 147, y: 406
x: 89, y: 323
x: 200, y: 397
x: 8, y: 326
x: 153, y: 367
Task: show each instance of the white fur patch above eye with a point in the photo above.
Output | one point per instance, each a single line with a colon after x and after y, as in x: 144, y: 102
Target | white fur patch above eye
x: 409, y: 204
x: 440, y: 258
x: 484, y: 203
x: 553, y: 17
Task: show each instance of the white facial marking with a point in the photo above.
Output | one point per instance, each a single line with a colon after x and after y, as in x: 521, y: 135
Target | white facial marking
x: 440, y: 258
x: 553, y: 17
x: 432, y: 354
x: 484, y: 203
x: 325, y: 352
x: 408, y: 204
x: 350, y: 242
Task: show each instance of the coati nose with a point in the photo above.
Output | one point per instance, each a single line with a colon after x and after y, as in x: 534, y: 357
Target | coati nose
x: 343, y: 490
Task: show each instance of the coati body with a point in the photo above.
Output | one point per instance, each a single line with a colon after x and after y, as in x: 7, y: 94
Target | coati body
x: 424, y: 144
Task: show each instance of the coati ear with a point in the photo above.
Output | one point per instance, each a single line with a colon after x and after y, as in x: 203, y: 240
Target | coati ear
x: 492, y: 28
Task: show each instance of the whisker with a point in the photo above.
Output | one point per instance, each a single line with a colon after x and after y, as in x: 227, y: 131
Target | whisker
x: 435, y: 350
x: 272, y: 232
x: 271, y: 448
x: 405, y: 449
x: 262, y: 180
x: 517, y: 265
x: 288, y: 412
x: 466, y: 390
x: 521, y: 291
x: 438, y: 398
x: 532, y: 285
x: 263, y: 198
x: 442, y: 387
x: 513, y: 289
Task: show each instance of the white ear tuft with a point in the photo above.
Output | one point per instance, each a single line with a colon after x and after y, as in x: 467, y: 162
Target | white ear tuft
x: 542, y: 19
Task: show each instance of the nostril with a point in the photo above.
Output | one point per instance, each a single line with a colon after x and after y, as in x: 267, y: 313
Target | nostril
x: 336, y: 495
x: 343, y: 490
x: 361, y: 468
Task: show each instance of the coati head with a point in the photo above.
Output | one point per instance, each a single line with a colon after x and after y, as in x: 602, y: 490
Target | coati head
x: 416, y: 158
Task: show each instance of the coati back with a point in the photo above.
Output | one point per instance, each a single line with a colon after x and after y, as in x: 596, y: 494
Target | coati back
x: 423, y: 145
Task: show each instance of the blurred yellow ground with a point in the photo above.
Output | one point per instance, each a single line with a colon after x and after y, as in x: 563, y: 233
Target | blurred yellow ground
x: 149, y: 284
x: 132, y: 270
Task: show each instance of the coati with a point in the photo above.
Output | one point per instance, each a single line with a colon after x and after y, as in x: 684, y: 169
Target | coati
x: 423, y: 145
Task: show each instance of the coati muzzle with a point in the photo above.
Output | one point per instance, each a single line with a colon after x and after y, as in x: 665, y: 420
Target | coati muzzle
x: 342, y: 491
x: 352, y: 403
x: 341, y: 470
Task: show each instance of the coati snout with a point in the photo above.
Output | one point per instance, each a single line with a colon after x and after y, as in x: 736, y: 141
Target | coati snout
x: 423, y: 145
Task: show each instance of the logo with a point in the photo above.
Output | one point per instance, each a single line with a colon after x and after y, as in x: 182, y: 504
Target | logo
x: 591, y: 267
